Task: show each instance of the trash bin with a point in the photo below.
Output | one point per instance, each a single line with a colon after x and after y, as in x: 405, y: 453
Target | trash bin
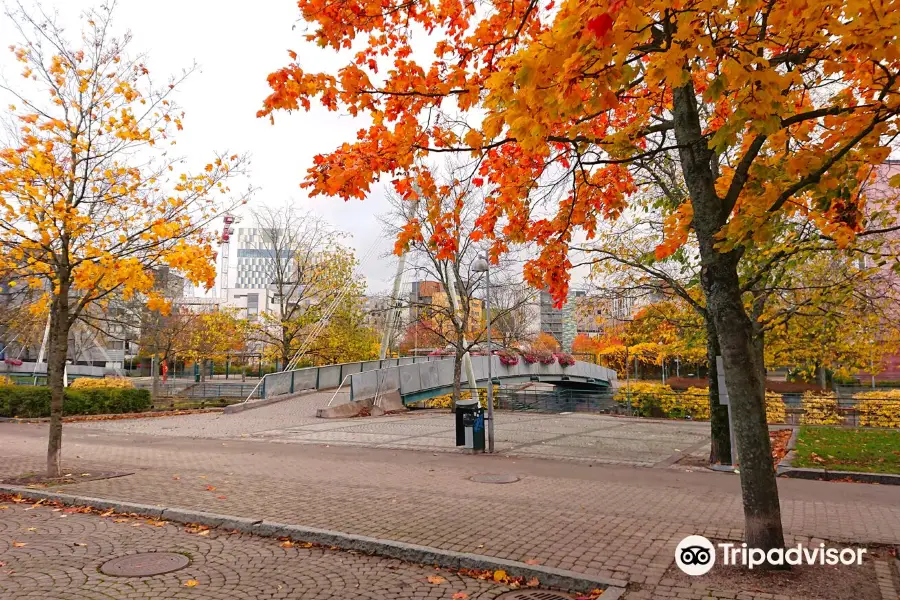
x: 470, y: 425
x: 463, y: 407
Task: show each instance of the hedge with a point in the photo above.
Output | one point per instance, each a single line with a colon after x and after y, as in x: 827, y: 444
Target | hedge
x: 102, y: 382
x: 34, y: 401
x: 820, y: 409
x: 879, y: 408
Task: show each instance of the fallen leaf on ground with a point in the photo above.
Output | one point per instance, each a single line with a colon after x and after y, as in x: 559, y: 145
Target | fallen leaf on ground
x: 158, y: 523
x: 108, y: 513
x: 222, y: 497
x: 210, y: 488
x: 18, y: 544
x: 120, y: 520
x: 204, y: 532
x: 532, y: 561
x: 287, y: 544
x: 31, y: 529
x: 460, y: 596
x: 2, y: 564
x: 191, y: 583
x: 4, y: 507
x: 533, y: 582
x: 436, y: 579
x: 79, y: 544
x: 176, y: 477
x: 85, y: 474
x: 135, y: 524
x: 499, y: 576
x: 195, y: 528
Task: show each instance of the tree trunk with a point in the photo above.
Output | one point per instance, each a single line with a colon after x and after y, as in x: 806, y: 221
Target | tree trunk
x: 56, y: 365
x: 720, y: 437
x: 746, y: 392
x: 457, y: 377
x: 721, y: 286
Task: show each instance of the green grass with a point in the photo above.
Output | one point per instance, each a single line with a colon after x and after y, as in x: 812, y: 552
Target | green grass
x: 844, y: 449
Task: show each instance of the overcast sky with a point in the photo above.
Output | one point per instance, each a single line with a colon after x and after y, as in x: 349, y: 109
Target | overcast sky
x: 236, y: 48
x: 236, y: 45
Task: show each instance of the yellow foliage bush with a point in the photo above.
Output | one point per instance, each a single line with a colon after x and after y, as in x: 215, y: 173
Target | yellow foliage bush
x: 106, y: 382
x: 775, y: 412
x: 820, y: 408
x: 645, y: 395
x: 446, y: 400
x: 693, y: 402
x: 4, y: 380
x: 879, y: 408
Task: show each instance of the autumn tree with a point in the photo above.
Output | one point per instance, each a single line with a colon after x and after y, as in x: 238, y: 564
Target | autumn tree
x: 419, y: 335
x: 91, y: 200
x: 545, y: 342
x: 166, y: 335
x: 774, y: 109
x: 310, y: 276
x: 437, y: 231
x: 346, y: 337
x: 214, y: 334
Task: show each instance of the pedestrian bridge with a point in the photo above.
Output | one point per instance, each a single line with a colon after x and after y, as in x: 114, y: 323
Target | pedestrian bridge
x: 422, y: 377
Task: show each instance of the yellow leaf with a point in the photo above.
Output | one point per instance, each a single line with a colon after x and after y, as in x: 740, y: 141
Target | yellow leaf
x: 436, y: 579
x: 287, y: 544
x: 191, y: 583
x: 460, y: 596
x: 18, y: 544
x: 204, y: 532
x: 499, y: 576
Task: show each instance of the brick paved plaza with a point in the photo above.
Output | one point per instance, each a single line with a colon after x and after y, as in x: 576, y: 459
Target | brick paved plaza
x: 609, y: 520
x: 574, y: 437
x: 51, y: 554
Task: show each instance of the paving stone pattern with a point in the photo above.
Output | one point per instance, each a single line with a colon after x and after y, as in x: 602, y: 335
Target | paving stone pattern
x: 575, y: 437
x: 611, y: 521
x: 56, y: 556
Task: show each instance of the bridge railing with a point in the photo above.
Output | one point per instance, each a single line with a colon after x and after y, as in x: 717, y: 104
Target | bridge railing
x: 329, y: 376
x: 412, y: 379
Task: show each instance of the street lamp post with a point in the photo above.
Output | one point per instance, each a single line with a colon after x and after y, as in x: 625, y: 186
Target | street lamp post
x: 483, y: 265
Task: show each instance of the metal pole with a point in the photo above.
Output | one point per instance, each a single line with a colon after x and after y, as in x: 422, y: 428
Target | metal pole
x: 490, y: 388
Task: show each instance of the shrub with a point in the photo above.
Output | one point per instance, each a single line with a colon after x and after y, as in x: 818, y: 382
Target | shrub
x: 105, y: 382
x: 446, y: 400
x: 508, y: 358
x: 646, y: 397
x: 4, y: 380
x: 820, y: 408
x: 879, y: 408
x: 565, y: 360
x: 34, y: 401
x: 530, y: 357
x: 775, y: 412
x: 693, y: 403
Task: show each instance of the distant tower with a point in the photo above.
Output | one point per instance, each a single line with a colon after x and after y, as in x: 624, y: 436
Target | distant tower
x: 226, y: 237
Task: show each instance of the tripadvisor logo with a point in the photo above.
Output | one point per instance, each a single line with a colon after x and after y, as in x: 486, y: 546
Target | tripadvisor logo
x: 696, y: 555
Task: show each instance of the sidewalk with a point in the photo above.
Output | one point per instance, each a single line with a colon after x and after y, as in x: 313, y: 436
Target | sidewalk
x: 613, y: 522
x: 53, y: 554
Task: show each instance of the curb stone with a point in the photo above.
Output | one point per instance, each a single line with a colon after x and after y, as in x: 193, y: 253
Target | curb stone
x: 788, y: 460
x: 853, y: 476
x: 549, y: 577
